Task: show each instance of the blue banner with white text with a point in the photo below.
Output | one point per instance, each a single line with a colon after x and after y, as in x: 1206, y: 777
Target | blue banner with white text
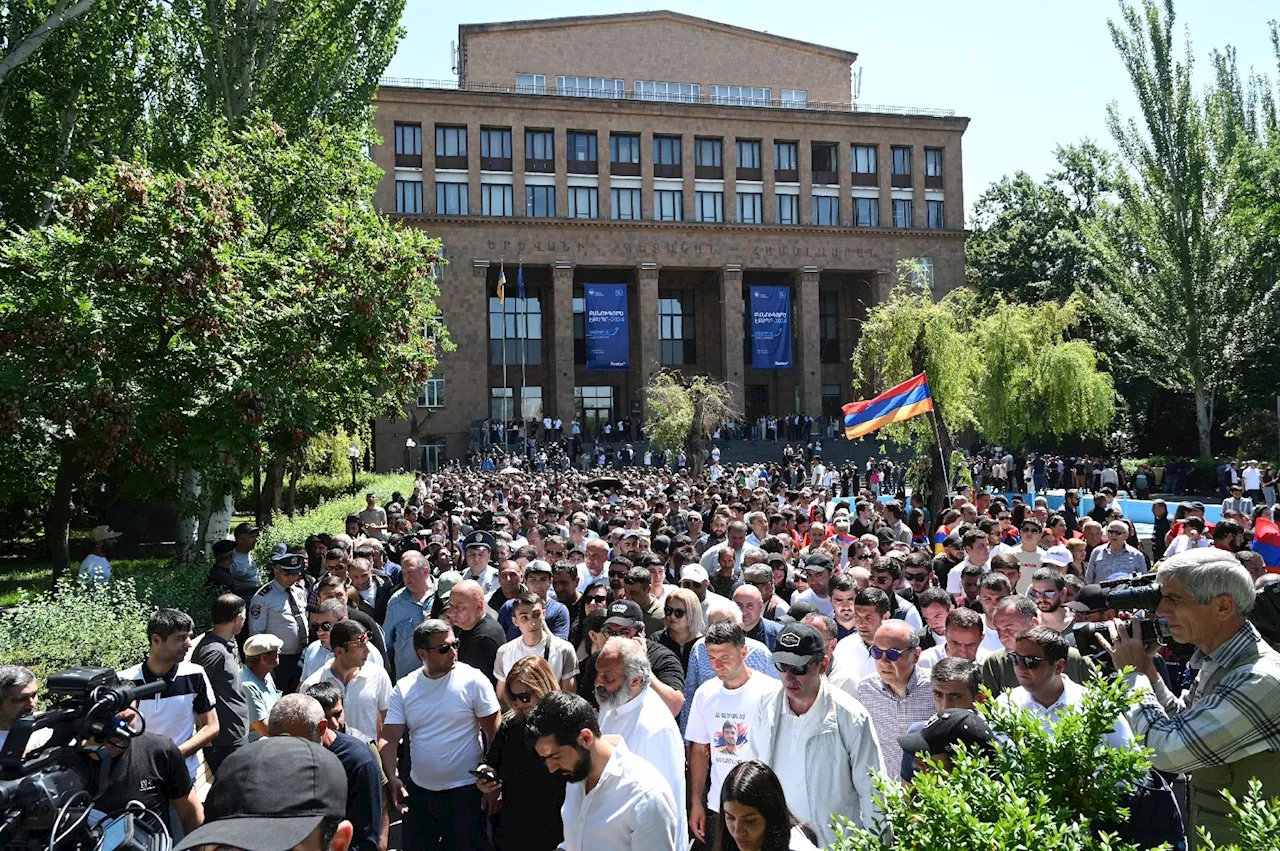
x: 771, y: 328
x: 608, y: 342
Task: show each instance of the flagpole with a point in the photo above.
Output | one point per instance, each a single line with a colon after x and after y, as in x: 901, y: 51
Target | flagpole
x: 502, y: 302
x: 524, y: 343
x: 937, y: 437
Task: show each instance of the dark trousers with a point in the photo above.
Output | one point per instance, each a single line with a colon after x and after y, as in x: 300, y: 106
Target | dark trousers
x: 442, y: 821
x: 215, y: 754
x: 288, y: 673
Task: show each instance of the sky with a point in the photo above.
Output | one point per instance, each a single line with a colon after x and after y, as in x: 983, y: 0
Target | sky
x: 1029, y: 75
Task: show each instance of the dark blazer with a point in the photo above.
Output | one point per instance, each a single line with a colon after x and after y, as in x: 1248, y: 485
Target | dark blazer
x: 378, y: 611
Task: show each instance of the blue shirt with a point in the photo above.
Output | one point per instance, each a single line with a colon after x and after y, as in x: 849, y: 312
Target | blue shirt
x: 699, y: 671
x: 556, y: 616
x: 403, y: 616
x: 364, y: 790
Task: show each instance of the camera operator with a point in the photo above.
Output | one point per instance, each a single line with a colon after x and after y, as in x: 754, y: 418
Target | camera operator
x: 1225, y: 730
x: 18, y: 691
x: 151, y: 770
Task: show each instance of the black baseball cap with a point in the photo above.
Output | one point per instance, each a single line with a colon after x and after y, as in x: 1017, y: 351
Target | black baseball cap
x: 223, y: 547
x: 245, y: 529
x: 624, y: 613
x: 1090, y: 598
x: 945, y: 730
x: 798, y: 644
x: 270, y: 795
x: 818, y: 561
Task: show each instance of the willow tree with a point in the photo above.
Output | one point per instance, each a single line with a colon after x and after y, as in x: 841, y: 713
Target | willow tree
x: 1005, y: 372
x: 684, y: 412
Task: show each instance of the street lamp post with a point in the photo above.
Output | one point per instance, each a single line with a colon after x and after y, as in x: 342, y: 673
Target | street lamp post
x: 353, y: 452
x: 409, y: 443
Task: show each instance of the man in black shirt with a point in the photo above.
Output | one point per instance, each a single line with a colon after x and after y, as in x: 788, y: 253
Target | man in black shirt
x: 477, y: 630
x: 150, y: 769
x: 218, y: 654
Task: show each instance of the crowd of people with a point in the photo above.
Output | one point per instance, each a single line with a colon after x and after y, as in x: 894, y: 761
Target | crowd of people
x: 534, y: 660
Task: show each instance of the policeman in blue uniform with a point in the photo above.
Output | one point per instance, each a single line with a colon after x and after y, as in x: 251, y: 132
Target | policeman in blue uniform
x: 279, y: 608
x: 479, y: 547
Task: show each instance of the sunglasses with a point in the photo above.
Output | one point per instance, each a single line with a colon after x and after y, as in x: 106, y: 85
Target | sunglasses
x: 1028, y: 662
x: 915, y: 577
x: 446, y: 648
x: 555, y: 553
x: 893, y: 654
x: 324, y: 627
x: 1048, y: 595
x: 521, y: 696
x: 597, y: 599
x: 617, y: 574
x: 674, y: 613
x: 794, y: 670
x: 617, y: 632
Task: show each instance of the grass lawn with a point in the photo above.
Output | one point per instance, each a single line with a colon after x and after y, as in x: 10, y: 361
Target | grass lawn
x: 34, y: 576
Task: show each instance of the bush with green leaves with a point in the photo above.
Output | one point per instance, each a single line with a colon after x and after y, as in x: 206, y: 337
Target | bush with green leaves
x: 1041, y: 789
x: 328, y: 516
x: 1256, y: 819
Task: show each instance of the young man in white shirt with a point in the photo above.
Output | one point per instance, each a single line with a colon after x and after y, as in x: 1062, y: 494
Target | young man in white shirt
x: 964, y: 636
x: 718, y: 729
x: 630, y: 804
x: 365, y: 686
x: 444, y: 706
x: 535, y: 640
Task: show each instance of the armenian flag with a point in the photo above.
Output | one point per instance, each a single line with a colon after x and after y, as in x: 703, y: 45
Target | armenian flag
x: 909, y: 399
x: 502, y: 284
x: 1266, y: 542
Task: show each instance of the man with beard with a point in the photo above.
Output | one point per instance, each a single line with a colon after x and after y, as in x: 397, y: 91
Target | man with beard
x: 95, y: 567
x: 1046, y: 591
x: 632, y: 710
x: 18, y: 691
x: 631, y: 804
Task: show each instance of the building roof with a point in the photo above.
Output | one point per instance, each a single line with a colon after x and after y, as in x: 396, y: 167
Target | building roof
x: 660, y: 15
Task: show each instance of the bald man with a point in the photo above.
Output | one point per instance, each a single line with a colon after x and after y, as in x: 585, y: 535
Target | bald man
x: 749, y: 599
x: 900, y: 694
x: 476, y: 627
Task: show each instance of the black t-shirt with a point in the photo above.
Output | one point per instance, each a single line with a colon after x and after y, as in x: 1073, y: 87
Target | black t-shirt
x: 478, y: 647
x: 364, y: 790
x: 151, y: 770
x: 531, y: 796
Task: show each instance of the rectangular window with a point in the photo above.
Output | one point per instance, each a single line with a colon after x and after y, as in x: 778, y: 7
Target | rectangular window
x: 409, y: 139
x: 676, y: 328
x: 788, y: 209
x: 795, y: 97
x: 624, y: 148
x: 742, y: 95
x: 749, y: 206
x: 829, y: 326
x: 495, y: 199
x: 864, y: 159
x: 901, y: 160
x: 408, y: 196
x: 923, y: 275
x: 583, y: 201
x: 786, y: 156
x: 826, y: 210
x: 824, y: 158
x: 933, y: 162
x: 451, y: 199
x: 540, y: 201
x: 531, y: 403
x: 517, y: 327
x: 500, y: 408
x: 539, y: 145
x: 495, y: 144
x: 594, y: 406
x: 706, y: 152
x: 589, y: 87
x: 432, y: 395
x: 581, y: 146
x: 666, y: 150
x: 933, y: 212
x: 866, y: 212
x: 668, y: 205
x: 709, y: 206
x: 531, y: 84
x: 625, y: 203
x: 901, y: 212
x: 680, y: 92
x: 749, y: 153
x: 451, y: 141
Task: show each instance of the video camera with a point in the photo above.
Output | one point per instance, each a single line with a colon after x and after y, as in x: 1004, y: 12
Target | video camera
x: 1130, y: 594
x: 46, y: 795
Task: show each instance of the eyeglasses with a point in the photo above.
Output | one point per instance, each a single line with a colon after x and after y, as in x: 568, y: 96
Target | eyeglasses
x: 893, y: 654
x: 794, y: 670
x: 324, y: 627
x: 521, y: 696
x: 1036, y: 594
x: 915, y: 577
x: 555, y: 553
x: 1028, y: 662
x: 597, y: 599
x: 446, y: 648
x: 617, y: 632
x: 617, y: 574
x: 674, y: 613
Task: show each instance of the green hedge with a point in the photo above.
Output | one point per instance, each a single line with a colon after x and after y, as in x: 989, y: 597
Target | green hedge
x: 328, y: 516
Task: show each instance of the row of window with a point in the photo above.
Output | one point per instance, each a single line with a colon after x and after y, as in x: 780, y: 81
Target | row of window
x: 593, y: 405
x: 613, y: 87
x: 624, y: 148
x: 668, y: 205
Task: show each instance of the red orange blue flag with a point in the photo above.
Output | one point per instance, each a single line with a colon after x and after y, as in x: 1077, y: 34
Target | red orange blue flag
x: 909, y: 399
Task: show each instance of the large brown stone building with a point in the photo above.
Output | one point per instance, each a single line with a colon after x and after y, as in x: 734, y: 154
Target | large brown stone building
x: 714, y: 159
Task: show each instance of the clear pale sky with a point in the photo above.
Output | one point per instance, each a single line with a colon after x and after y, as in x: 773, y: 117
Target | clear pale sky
x: 1029, y: 75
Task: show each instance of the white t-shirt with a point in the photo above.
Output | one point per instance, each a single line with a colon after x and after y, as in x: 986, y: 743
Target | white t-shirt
x: 954, y: 575
x: 714, y: 708
x: 822, y: 604
x: 1252, y: 478
x: 559, y: 654
x: 852, y: 662
x: 938, y: 652
x: 443, y: 728
x: 368, y: 693
x: 1028, y: 561
x: 990, y: 638
x: 95, y: 568
x: 316, y: 656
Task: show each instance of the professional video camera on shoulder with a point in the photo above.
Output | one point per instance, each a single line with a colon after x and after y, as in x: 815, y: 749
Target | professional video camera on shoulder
x: 47, y: 794
x: 1096, y: 608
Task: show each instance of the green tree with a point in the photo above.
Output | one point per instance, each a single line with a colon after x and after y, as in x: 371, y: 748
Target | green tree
x: 28, y: 24
x: 684, y: 412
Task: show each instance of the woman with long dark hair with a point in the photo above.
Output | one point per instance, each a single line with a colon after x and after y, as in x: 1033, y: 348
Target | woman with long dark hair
x: 753, y: 814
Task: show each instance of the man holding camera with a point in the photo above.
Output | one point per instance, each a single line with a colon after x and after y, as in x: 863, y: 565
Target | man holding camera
x: 1225, y: 729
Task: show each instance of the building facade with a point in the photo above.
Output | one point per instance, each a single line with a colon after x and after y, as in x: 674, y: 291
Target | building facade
x: 715, y: 159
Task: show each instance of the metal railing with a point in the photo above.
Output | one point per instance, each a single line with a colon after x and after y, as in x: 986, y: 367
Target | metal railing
x: 750, y: 103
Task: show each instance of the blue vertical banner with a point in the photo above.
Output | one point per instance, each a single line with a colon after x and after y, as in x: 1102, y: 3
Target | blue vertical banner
x: 771, y: 328
x: 608, y: 341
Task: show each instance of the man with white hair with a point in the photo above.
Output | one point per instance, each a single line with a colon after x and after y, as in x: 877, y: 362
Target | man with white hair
x: 632, y: 710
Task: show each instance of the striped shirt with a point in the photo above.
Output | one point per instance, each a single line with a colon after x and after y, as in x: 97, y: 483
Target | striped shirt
x: 172, y: 713
x: 1234, y: 719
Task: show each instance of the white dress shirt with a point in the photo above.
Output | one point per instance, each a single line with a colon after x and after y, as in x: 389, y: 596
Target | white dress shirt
x: 630, y: 809
x: 1120, y: 736
x: 650, y: 732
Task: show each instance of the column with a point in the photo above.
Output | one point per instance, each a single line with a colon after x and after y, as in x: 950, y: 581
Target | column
x: 919, y: 208
x: 804, y: 153
x: 882, y: 285
x: 844, y: 168
x: 769, y: 209
x: 806, y: 319
x: 473, y: 169
x: 731, y: 332
x: 687, y: 160
x: 562, y: 172
x: 562, y: 336
x: 647, y: 303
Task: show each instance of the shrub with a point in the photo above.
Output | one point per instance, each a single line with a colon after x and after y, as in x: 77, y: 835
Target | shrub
x: 328, y: 516
x: 1256, y: 819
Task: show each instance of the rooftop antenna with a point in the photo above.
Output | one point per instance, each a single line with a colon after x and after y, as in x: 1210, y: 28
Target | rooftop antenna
x: 453, y: 56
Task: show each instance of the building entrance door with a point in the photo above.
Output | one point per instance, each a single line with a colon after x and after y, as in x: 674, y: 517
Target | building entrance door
x: 757, y: 402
